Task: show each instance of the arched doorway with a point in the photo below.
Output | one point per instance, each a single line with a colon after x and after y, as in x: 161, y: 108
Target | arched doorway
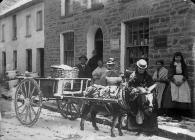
x: 98, y: 42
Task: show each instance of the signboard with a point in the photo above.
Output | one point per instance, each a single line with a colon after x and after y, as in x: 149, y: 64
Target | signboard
x: 114, y: 44
x: 160, y: 42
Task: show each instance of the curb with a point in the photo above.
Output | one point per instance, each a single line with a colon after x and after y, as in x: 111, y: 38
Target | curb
x: 160, y: 132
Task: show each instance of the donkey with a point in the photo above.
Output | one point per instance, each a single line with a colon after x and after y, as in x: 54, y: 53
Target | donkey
x: 117, y: 110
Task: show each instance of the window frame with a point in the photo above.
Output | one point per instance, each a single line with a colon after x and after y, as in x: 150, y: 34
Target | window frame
x: 39, y: 20
x: 64, y: 5
x: 70, y: 50
x: 3, y: 33
x: 137, y: 40
x: 28, y: 26
x: 97, y: 5
x: 14, y: 27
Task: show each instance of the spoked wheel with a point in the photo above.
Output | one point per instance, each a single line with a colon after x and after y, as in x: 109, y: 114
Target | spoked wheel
x: 28, y: 102
x: 69, y: 109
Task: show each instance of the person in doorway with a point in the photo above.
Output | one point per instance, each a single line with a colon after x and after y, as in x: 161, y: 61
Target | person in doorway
x: 84, y: 69
x: 177, y: 99
x: 160, y: 76
x: 92, y: 63
x: 98, y: 72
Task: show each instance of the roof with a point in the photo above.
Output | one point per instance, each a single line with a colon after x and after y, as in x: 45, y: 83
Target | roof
x: 7, y: 6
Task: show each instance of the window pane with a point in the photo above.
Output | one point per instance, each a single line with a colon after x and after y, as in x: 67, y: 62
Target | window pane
x: 69, y: 48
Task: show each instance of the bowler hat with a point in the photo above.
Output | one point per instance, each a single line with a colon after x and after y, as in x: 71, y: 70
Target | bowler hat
x: 142, y: 64
x: 83, y: 56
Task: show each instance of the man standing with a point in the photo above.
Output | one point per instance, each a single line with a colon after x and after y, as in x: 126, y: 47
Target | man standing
x: 84, y: 70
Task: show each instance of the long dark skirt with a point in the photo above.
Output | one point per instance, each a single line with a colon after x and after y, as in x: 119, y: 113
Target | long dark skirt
x: 177, y: 108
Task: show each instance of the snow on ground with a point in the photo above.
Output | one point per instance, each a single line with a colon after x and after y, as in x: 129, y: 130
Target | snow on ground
x: 52, y: 126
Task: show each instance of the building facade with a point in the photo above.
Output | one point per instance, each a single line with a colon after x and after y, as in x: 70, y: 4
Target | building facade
x: 124, y: 29
x: 22, y: 37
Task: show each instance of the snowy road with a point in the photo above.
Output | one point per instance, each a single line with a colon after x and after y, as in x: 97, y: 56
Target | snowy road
x: 52, y: 126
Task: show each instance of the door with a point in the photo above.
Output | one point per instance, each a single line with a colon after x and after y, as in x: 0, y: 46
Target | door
x: 99, y: 42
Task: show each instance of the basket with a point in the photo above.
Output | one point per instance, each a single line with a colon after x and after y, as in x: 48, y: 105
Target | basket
x: 64, y: 73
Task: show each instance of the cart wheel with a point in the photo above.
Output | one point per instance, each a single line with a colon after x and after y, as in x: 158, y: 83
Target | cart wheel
x: 69, y: 108
x: 28, y: 102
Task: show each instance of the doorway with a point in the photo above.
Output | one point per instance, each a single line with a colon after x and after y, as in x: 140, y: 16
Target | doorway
x: 40, y: 61
x: 4, y: 62
x: 29, y: 60
x: 99, y: 42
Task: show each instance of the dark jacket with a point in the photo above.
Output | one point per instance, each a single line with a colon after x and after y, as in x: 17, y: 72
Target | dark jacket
x: 84, y: 72
x: 92, y: 63
x: 143, y: 80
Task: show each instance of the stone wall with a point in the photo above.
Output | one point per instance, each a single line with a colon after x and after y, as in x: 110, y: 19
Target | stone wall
x: 173, y: 18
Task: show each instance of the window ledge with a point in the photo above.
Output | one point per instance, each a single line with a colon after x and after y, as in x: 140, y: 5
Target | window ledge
x: 123, y: 1
x: 95, y: 7
x: 67, y: 16
x: 28, y: 36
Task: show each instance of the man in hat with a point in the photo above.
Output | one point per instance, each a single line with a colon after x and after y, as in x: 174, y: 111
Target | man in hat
x: 139, y: 78
x: 110, y: 72
x: 84, y: 70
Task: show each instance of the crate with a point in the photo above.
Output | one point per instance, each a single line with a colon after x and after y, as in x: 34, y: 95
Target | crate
x: 61, y: 73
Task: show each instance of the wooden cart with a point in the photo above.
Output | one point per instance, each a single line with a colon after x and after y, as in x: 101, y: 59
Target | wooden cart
x: 68, y: 92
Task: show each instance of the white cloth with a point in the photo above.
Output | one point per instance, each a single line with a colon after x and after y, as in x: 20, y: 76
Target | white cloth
x: 178, y: 67
x: 180, y: 93
x: 162, y: 75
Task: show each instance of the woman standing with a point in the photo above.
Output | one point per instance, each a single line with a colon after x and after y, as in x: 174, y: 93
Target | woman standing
x: 160, y: 76
x: 178, y: 97
x: 98, y: 72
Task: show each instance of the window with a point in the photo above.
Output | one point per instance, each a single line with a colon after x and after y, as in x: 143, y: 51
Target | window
x: 39, y: 20
x: 94, y: 4
x: 66, y: 7
x: 3, y: 33
x: 69, y: 48
x: 29, y: 60
x: 14, y: 27
x: 28, y: 30
x: 137, y: 41
x: 15, y: 60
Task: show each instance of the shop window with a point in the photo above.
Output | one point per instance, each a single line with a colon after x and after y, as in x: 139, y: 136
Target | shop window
x: 3, y: 33
x: 137, y: 41
x: 39, y: 20
x: 14, y: 27
x: 69, y: 48
x: 15, y: 60
x: 66, y: 7
x: 28, y: 26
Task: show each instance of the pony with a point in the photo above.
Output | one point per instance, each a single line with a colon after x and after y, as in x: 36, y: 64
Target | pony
x: 118, y: 109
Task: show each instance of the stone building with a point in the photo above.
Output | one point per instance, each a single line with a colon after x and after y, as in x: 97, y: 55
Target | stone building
x: 123, y: 29
x: 22, y: 36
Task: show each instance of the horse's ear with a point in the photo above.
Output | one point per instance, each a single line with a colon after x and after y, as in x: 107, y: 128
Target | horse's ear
x: 152, y: 87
